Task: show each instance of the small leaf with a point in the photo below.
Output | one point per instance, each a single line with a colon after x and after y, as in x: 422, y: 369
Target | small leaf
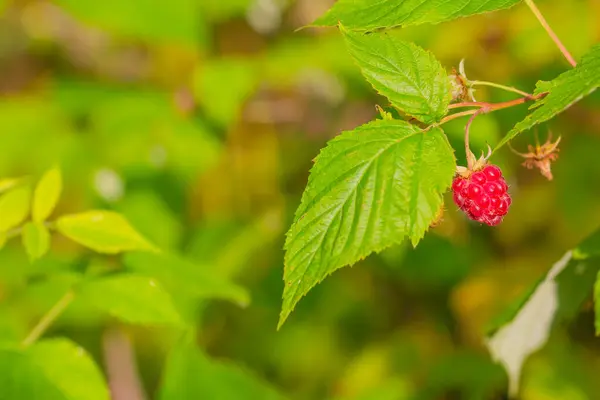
x: 369, y: 189
x: 375, y: 14
x: 410, y: 77
x: 14, y: 207
x: 564, y: 91
x: 9, y: 183
x: 46, y: 195
x: 190, y: 374
x: 132, y: 298
x: 222, y: 87
x: 102, y: 231
x: 36, y: 239
x: 70, y: 369
x: 181, y: 275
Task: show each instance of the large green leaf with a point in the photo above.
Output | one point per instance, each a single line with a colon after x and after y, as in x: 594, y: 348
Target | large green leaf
x: 46, y: 194
x: 567, y: 89
x: 175, y: 20
x: 373, y: 14
x: 189, y: 374
x: 50, y: 370
x: 102, y: 231
x: 410, y: 77
x: 14, y: 207
x: 557, y: 297
x: 132, y: 298
x: 369, y: 189
x: 180, y: 275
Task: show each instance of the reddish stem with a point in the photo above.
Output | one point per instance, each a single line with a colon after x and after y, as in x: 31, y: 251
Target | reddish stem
x: 485, y: 107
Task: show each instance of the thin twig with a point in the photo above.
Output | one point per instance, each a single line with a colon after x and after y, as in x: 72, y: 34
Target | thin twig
x: 551, y: 33
x: 485, y: 107
x: 48, y: 318
x: 499, y: 86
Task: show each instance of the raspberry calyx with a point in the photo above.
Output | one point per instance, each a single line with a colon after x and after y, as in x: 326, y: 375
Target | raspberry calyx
x: 482, y: 194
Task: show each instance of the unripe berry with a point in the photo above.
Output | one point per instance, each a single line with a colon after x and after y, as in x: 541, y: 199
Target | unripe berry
x: 482, y: 195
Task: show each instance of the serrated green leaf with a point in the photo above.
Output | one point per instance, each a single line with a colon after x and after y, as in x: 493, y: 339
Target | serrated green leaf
x: 132, y: 298
x: 564, y: 91
x: 70, y: 369
x: 411, y: 78
x: 46, y: 194
x: 14, y: 207
x: 190, y: 374
x: 375, y: 14
x: 54, y: 369
x: 36, y: 240
x: 369, y: 189
x: 102, y: 231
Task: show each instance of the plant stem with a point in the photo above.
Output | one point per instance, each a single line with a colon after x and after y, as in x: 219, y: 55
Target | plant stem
x: 551, y: 33
x: 470, y: 158
x: 48, y: 318
x: 499, y: 86
x: 484, y: 107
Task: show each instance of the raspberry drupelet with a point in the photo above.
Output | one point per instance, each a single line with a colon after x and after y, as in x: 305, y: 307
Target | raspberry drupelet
x: 482, y: 195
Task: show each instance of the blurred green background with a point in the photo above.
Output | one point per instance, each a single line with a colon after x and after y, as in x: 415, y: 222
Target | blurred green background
x: 198, y: 119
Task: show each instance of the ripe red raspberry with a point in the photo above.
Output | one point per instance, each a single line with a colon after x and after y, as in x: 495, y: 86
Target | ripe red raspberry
x: 482, y: 195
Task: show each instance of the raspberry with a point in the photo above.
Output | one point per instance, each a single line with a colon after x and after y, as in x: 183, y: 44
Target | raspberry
x: 482, y: 195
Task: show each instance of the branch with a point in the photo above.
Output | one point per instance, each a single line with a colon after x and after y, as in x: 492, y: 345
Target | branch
x: 48, y: 318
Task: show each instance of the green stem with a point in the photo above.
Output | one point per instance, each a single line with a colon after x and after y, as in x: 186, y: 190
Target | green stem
x: 48, y: 318
x: 499, y: 86
x: 553, y: 36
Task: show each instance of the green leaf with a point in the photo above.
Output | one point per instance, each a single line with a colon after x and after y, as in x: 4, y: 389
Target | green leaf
x: 50, y: 370
x: 14, y: 207
x: 21, y: 379
x: 46, y: 194
x: 410, y: 77
x: 176, y: 20
x: 189, y: 374
x: 102, y: 231
x: 180, y: 275
x: 70, y: 369
x: 557, y: 297
x: 374, y: 14
x: 132, y: 298
x: 369, y: 189
x: 36, y: 239
x: 567, y: 89
x: 9, y: 183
